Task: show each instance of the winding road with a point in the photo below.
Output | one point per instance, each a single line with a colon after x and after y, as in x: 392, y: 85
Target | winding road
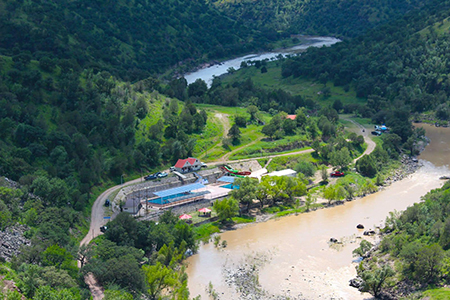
x: 98, y: 208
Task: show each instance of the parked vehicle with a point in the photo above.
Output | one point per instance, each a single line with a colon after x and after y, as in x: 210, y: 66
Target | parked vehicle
x: 337, y: 174
x: 103, y: 228
x: 107, y: 202
x: 162, y: 174
x: 204, y: 165
x: 172, y: 169
x: 152, y: 176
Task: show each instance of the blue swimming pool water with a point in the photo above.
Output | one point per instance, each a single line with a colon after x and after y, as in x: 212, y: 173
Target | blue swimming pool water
x: 230, y: 186
x: 176, y: 198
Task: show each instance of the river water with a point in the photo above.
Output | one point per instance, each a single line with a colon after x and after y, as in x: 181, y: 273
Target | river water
x: 208, y: 73
x: 300, y: 260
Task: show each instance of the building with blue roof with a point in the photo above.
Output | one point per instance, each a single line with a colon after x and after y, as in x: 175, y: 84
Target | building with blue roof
x: 178, y: 195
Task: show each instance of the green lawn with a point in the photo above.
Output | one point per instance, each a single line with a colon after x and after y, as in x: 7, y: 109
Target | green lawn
x: 437, y: 294
x: 308, y: 88
x: 249, y: 134
x: 289, y: 162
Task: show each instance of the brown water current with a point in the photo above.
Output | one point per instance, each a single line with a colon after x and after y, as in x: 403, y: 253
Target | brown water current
x: 300, y: 260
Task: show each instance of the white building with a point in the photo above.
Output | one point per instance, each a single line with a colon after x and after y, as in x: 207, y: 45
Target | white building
x: 286, y: 172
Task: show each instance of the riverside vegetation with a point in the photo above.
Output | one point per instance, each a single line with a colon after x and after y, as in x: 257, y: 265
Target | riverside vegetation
x: 413, y: 254
x: 76, y: 118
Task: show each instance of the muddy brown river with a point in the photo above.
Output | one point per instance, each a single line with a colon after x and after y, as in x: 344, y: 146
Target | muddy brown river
x: 300, y: 261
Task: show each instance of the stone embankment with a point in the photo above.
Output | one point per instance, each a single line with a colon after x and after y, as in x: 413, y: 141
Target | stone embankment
x: 11, y: 241
x: 409, y: 166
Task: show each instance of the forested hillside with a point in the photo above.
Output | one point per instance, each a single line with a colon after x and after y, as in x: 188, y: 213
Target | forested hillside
x: 414, y: 254
x: 130, y: 39
x: 64, y: 132
x: 346, y: 18
x: 80, y: 106
x: 403, y: 64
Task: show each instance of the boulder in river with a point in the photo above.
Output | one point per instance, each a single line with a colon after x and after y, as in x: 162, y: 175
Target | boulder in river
x: 355, y: 282
x: 369, y: 232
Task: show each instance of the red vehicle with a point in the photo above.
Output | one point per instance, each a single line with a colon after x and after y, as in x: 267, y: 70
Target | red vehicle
x: 337, y: 174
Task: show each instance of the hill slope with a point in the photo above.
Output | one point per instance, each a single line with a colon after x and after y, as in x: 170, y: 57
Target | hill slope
x: 346, y: 18
x: 130, y: 39
x: 403, y: 64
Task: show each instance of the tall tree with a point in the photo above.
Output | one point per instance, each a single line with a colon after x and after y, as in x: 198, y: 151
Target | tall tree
x: 226, y: 209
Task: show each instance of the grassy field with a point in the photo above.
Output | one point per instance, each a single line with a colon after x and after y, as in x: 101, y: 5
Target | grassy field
x: 156, y: 103
x: 437, y: 294
x: 307, y: 88
x: 440, y: 28
x: 252, y: 142
x: 288, y: 162
x: 265, y: 148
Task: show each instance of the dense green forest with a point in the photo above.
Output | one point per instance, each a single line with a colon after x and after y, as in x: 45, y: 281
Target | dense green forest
x: 129, y: 39
x: 79, y: 109
x: 402, y: 64
x: 347, y: 18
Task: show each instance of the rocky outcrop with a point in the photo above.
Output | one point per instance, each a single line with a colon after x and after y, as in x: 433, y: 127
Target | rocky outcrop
x: 11, y: 240
x: 409, y: 166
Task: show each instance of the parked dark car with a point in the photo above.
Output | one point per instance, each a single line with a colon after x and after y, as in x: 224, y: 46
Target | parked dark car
x: 377, y: 133
x: 152, y: 176
x: 103, y: 228
x: 107, y: 203
x: 337, y: 174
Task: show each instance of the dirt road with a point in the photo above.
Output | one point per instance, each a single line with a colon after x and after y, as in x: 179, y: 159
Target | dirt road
x: 370, y: 144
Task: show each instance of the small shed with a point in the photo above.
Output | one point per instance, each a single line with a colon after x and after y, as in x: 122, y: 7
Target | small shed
x: 132, y: 206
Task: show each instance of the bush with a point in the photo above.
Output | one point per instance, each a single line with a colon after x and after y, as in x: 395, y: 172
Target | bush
x: 366, y: 166
x: 306, y: 168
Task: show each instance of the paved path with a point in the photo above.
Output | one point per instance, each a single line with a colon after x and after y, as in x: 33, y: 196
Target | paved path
x: 97, y: 220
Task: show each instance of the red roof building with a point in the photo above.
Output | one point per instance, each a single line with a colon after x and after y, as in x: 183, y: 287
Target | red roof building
x: 292, y: 117
x: 187, y: 165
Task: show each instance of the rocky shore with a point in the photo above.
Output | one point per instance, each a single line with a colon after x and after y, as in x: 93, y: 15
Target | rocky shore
x: 400, y: 290
x: 409, y: 166
x: 243, y: 278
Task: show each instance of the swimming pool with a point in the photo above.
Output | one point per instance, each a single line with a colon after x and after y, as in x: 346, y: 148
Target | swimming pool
x: 230, y: 186
x: 176, y: 198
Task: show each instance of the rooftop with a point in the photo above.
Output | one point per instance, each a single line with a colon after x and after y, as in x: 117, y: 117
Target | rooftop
x: 179, y: 190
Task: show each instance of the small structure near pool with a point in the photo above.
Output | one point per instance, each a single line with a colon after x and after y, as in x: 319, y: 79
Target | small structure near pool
x: 228, y: 182
x: 205, y: 211
x: 132, y: 206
